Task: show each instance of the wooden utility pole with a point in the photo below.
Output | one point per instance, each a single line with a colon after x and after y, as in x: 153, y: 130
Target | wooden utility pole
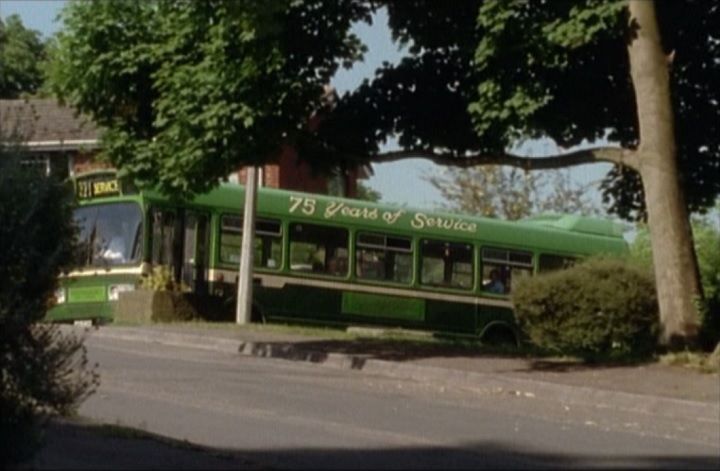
x: 243, y: 309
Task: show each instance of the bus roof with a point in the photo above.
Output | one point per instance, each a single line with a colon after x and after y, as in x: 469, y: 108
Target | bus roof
x: 559, y: 233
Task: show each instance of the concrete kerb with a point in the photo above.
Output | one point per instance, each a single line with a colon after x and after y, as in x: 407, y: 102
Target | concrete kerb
x: 542, y: 390
x: 171, y: 338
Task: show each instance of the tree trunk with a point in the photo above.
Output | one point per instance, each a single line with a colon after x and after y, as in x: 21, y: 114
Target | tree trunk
x: 676, y: 273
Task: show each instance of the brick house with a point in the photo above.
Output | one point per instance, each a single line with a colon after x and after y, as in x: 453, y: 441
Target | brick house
x: 62, y: 143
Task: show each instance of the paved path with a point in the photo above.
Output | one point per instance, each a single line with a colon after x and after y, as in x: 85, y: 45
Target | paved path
x: 652, y: 388
x: 679, y: 398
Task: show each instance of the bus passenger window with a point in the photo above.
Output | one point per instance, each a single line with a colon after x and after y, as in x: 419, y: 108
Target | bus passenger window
x: 500, y: 267
x: 383, y: 258
x: 446, y: 264
x: 267, y: 242
x: 554, y: 262
x: 319, y: 249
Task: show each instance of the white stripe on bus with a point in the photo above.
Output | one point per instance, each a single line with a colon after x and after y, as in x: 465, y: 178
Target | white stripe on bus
x: 104, y: 272
x: 279, y: 281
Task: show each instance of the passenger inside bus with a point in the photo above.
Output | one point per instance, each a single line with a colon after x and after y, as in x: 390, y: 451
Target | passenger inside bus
x: 495, y: 285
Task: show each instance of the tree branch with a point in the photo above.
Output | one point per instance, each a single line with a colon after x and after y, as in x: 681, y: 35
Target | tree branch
x: 615, y: 155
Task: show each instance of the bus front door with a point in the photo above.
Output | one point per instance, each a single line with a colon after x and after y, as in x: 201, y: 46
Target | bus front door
x: 195, y: 252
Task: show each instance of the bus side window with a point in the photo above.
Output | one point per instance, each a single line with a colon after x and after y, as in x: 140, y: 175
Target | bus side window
x: 501, y: 266
x: 319, y: 249
x: 446, y: 264
x: 267, y: 241
x: 549, y: 262
x: 383, y: 258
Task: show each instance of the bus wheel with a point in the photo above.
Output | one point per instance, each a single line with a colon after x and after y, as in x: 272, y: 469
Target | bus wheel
x: 500, y: 336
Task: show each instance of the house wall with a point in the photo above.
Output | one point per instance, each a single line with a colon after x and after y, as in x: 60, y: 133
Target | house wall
x: 87, y: 161
x: 289, y: 173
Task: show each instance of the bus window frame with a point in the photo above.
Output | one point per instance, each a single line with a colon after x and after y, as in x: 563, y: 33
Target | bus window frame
x: 411, y: 283
x: 470, y: 290
x: 349, y: 247
x: 507, y: 266
x: 139, y: 243
x: 281, y: 236
x: 574, y: 261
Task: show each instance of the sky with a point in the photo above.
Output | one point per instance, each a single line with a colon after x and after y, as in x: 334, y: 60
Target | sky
x: 398, y: 182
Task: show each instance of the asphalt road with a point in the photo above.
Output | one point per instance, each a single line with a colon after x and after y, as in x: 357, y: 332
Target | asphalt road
x: 298, y: 415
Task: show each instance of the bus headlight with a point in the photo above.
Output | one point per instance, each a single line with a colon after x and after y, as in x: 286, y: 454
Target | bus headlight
x: 59, y: 295
x: 115, y: 290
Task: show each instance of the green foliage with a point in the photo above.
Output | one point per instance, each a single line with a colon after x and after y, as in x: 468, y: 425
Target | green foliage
x: 706, y: 237
x: 191, y: 90
x: 504, y: 71
x: 600, y: 309
x: 173, y: 306
x: 42, y: 371
x: 21, y: 55
x: 703, y: 362
x: 161, y: 278
x: 423, y: 99
x: 530, y: 58
x: 169, y: 306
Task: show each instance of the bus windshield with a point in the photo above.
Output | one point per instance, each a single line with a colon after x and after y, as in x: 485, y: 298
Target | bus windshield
x: 109, y: 234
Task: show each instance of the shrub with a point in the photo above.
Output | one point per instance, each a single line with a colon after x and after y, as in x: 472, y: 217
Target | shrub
x: 601, y: 309
x: 161, y: 279
x: 171, y: 306
x: 42, y: 371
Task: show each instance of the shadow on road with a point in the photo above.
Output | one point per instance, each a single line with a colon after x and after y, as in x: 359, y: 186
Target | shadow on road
x: 86, y: 446
x: 390, y: 350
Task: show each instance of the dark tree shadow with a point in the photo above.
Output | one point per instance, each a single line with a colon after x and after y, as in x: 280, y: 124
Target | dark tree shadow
x: 87, y: 446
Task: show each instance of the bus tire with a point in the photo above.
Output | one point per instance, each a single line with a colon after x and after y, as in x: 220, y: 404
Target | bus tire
x: 499, y: 335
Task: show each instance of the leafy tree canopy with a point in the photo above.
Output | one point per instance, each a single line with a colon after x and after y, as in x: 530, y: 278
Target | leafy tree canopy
x: 210, y: 85
x: 482, y: 75
x: 191, y: 90
x: 21, y: 54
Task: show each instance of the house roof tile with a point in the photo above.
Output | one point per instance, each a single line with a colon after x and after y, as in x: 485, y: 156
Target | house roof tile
x: 42, y: 120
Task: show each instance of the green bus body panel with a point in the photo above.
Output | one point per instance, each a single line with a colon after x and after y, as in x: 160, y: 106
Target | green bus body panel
x: 299, y: 301
x: 81, y: 311
x: 457, y: 317
x: 378, y: 305
x: 87, y: 294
